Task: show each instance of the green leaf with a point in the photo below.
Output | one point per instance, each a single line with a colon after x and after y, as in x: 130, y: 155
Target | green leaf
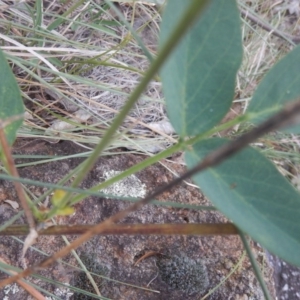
x: 11, y: 103
x: 199, y: 77
x: 278, y: 87
x: 55, y: 61
x: 251, y: 192
x: 57, y: 197
x: 66, y: 211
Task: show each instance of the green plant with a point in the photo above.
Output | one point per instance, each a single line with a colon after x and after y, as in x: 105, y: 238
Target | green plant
x: 198, y: 82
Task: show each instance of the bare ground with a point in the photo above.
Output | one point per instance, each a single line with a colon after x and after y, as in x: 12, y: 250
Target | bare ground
x: 115, y: 256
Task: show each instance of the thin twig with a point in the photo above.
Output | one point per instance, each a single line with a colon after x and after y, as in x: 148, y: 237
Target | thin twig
x: 14, y: 172
x: 288, y: 116
x: 131, y: 229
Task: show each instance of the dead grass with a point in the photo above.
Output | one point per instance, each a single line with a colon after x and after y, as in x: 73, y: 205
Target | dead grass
x: 76, y: 76
x: 77, y: 71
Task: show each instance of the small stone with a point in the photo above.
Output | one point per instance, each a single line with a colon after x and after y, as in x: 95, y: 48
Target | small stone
x: 228, y: 265
x: 286, y: 287
x: 241, y: 297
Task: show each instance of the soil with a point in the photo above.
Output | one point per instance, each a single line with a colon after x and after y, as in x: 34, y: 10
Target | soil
x: 115, y: 256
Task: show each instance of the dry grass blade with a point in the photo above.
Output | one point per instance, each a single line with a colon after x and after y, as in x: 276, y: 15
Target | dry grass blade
x: 267, y: 27
x: 90, y: 64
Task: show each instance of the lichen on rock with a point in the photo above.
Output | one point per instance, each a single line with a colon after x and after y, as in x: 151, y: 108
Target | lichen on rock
x: 183, y: 273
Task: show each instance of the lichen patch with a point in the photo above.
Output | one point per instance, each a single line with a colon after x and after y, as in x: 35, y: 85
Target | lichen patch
x: 130, y: 186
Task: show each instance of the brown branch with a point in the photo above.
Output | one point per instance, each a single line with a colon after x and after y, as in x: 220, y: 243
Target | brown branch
x: 269, y: 28
x: 131, y: 229
x: 14, y: 172
x: 289, y: 115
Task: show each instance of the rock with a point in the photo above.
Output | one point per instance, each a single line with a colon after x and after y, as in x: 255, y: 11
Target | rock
x: 212, y: 257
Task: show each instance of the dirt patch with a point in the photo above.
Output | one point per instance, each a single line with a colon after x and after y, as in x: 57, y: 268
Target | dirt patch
x: 209, y: 258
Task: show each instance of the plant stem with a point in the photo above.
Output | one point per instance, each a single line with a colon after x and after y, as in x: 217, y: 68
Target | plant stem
x: 255, y: 266
x: 288, y: 116
x: 188, y: 18
x: 58, y: 186
x: 9, y: 162
x: 132, y: 229
x: 168, y: 152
